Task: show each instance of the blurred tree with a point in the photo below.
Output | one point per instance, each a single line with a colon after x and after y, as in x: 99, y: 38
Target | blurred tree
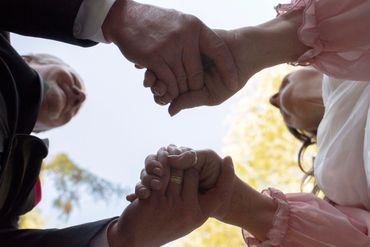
x: 32, y: 220
x: 70, y: 183
x: 263, y: 151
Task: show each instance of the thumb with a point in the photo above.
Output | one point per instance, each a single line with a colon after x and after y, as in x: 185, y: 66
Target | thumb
x: 214, y: 47
x: 214, y: 201
x: 188, y: 100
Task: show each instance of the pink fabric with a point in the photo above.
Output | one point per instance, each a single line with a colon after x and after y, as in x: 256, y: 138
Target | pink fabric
x: 303, y: 219
x: 339, y: 34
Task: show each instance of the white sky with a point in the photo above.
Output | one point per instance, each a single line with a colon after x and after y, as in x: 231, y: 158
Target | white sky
x: 119, y: 124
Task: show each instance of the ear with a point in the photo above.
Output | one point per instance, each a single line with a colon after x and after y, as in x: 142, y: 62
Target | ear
x: 27, y: 59
x: 40, y: 127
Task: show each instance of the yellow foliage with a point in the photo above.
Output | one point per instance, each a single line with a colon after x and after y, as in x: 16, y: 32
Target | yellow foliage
x: 31, y: 220
x: 213, y: 233
x: 70, y: 182
x: 263, y: 151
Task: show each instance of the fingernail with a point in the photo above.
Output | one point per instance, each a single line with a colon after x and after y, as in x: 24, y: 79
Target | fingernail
x: 156, y: 92
x: 161, y: 102
x: 129, y: 197
x: 156, y: 184
x: 157, y: 171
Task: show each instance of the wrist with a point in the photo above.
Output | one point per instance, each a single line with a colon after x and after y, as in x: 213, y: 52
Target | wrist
x: 250, y: 210
x: 120, y: 236
x: 112, y: 235
x: 281, y: 34
x: 114, y: 18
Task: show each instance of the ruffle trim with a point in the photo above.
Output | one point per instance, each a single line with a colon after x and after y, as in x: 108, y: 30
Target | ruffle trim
x: 277, y: 233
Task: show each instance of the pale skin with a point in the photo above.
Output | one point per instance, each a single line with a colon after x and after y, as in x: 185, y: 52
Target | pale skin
x: 170, y: 44
x: 299, y: 99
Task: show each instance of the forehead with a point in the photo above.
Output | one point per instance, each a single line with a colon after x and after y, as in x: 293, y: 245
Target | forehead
x: 58, y: 65
x: 285, y: 81
x: 303, y: 75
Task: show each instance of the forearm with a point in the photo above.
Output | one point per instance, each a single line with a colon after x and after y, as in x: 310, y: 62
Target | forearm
x: 278, y: 39
x: 250, y: 210
x: 269, y: 44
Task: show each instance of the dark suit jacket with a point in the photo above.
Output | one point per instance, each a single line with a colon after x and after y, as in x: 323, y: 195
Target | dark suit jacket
x: 42, y: 18
x: 20, y: 86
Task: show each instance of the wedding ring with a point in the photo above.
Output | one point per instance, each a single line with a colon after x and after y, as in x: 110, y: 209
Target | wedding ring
x: 195, y: 157
x: 176, y: 179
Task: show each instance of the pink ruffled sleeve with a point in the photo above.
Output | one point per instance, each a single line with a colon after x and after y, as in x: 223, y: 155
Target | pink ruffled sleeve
x: 303, y: 219
x: 338, y: 32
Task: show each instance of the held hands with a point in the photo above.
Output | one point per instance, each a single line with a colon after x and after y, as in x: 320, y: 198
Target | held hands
x: 173, y: 210
x: 215, y: 177
x: 241, y: 44
x: 169, y: 44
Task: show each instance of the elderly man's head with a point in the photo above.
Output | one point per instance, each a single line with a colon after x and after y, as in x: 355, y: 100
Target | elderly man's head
x: 64, y: 91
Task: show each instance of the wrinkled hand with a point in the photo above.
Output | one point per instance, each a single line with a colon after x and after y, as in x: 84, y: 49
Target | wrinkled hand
x: 216, y: 177
x: 169, y: 44
x: 214, y: 91
x: 168, y: 214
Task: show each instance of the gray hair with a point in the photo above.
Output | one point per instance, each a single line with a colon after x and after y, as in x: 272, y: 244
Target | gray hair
x: 43, y: 58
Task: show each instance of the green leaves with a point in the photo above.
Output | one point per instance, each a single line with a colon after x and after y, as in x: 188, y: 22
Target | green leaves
x: 71, y: 182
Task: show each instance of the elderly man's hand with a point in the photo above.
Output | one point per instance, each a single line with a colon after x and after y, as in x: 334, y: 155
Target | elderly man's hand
x: 247, y: 57
x: 169, y: 44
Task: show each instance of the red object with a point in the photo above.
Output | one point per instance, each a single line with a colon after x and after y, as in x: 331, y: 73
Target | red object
x: 38, y: 193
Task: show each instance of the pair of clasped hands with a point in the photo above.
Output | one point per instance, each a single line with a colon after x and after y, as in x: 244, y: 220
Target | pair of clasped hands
x: 187, y: 63
x: 179, y: 189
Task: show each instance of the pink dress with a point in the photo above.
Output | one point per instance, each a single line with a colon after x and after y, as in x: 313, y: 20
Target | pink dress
x: 342, y: 166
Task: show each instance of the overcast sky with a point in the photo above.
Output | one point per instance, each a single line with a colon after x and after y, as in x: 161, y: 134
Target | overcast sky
x: 119, y: 124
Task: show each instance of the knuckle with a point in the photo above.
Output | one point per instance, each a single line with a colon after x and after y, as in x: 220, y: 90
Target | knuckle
x: 149, y: 168
x: 186, y: 24
x: 192, y: 20
x: 149, y: 158
x: 137, y: 187
x: 211, y: 152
